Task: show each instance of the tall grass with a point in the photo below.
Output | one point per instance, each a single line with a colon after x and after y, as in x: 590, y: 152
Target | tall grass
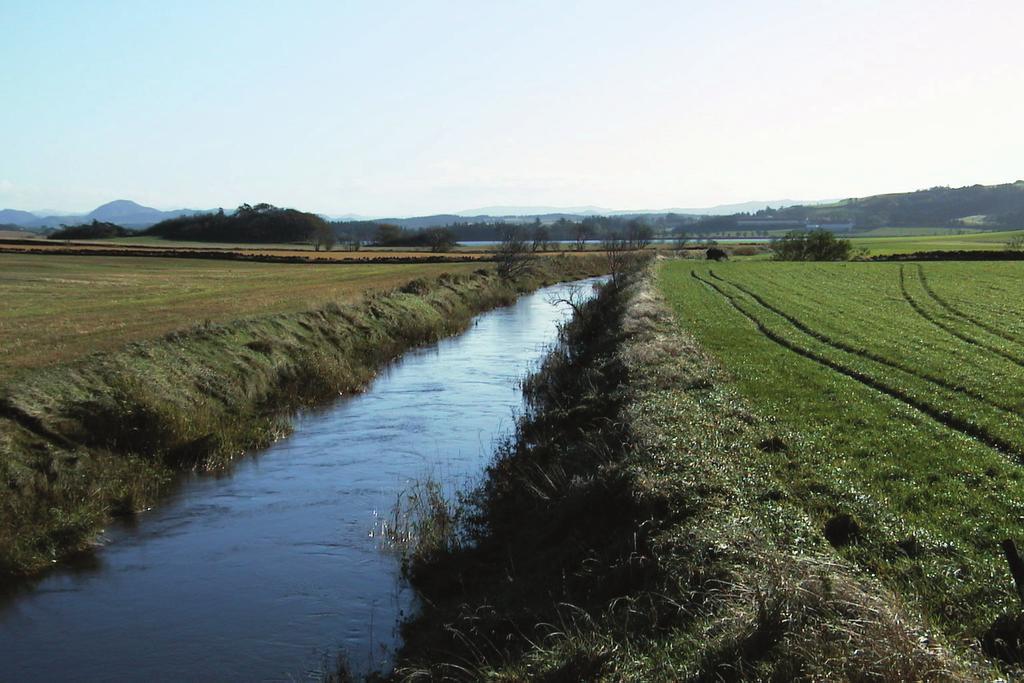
x: 424, y: 523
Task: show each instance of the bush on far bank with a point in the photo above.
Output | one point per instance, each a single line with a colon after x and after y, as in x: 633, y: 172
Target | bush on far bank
x: 811, y: 245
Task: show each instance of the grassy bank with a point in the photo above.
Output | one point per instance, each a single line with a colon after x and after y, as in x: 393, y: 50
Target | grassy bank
x: 636, y: 530
x: 101, y: 436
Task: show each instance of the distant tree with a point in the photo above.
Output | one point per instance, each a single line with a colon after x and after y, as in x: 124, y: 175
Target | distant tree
x: 581, y: 234
x: 261, y: 223
x: 541, y: 237
x: 323, y: 236
x: 386, y: 234
x: 638, y: 234
x: 513, y: 254
x: 813, y: 245
x: 680, y: 238
x: 90, y: 231
x: 562, y: 230
x: 439, y: 239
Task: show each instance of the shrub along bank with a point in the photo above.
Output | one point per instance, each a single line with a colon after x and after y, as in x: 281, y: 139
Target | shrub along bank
x: 629, y: 533
x: 103, y: 436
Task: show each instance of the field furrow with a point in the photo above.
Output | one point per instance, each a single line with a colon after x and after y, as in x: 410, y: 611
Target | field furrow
x: 959, y: 313
x: 991, y: 294
x: 938, y: 322
x: 954, y: 417
x: 869, y: 354
x: 866, y: 311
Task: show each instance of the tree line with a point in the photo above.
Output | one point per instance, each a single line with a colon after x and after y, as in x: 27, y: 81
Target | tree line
x: 91, y: 231
x: 540, y: 236
x: 260, y: 223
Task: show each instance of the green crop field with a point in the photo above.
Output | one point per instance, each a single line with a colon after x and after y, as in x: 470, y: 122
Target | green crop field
x: 905, y: 243
x: 917, y: 232
x: 897, y: 391
x: 57, y: 308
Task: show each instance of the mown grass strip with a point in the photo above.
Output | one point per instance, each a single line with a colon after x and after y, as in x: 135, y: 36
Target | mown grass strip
x: 943, y: 417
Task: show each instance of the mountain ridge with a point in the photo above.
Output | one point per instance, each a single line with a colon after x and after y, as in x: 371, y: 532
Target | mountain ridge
x: 124, y: 212
x: 716, y: 210
x: 995, y: 205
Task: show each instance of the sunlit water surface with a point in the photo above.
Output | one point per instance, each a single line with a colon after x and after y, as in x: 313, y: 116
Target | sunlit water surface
x: 268, y: 572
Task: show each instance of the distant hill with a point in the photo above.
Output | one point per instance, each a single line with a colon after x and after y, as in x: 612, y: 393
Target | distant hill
x: 418, y: 222
x: 751, y: 207
x: 122, y: 211
x: 524, y: 211
x: 15, y: 217
x: 986, y: 206
x: 579, y: 211
x: 127, y: 212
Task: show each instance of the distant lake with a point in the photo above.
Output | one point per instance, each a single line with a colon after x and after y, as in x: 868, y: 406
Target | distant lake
x: 692, y: 242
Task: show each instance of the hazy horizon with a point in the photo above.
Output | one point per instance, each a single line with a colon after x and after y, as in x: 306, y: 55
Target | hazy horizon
x: 483, y: 210
x: 440, y: 107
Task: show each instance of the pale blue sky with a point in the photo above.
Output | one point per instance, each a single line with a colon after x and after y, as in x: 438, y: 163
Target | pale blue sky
x: 400, y: 108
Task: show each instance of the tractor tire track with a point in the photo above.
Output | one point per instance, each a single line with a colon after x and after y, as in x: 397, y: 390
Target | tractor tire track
x: 868, y: 355
x: 956, y: 312
x: 953, y: 422
x: 950, y: 329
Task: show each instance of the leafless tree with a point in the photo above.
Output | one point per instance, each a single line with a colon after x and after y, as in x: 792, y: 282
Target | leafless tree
x: 639, y: 234
x: 680, y: 240
x: 324, y: 237
x: 573, y: 296
x: 618, y: 258
x: 541, y: 237
x: 582, y: 233
x: 514, y: 255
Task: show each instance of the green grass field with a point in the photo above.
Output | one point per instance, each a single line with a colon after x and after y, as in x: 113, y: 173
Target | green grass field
x: 899, y: 392
x: 58, y: 308
x: 904, y: 243
x: 917, y: 232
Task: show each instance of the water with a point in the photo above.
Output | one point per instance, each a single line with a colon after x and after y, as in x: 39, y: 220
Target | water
x: 263, y: 574
x: 692, y: 242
